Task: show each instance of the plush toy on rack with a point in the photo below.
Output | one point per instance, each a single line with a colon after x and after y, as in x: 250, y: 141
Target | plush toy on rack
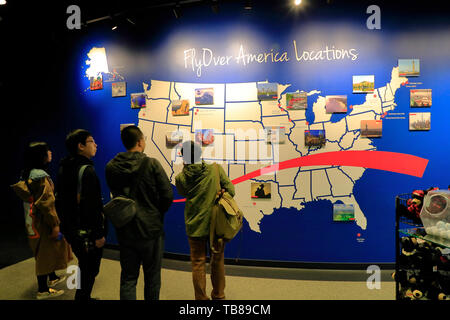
x: 435, y: 291
x: 406, y: 287
x: 407, y: 256
x: 444, y: 258
x: 414, y: 287
x: 401, y: 277
x: 414, y: 205
x: 431, y: 255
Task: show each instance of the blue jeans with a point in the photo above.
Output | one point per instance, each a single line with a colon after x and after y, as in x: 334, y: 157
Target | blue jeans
x: 149, y: 253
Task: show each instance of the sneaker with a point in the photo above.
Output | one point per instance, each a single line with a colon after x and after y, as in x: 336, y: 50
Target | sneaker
x: 51, y: 293
x: 52, y: 283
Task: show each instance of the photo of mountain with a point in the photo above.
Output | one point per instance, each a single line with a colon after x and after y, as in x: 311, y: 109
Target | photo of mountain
x: 204, y: 96
x: 363, y: 84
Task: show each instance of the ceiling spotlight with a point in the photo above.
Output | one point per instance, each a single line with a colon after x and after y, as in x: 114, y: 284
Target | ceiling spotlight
x: 248, y: 5
x: 131, y: 21
x: 114, y: 28
x: 2, y: 2
x: 297, y: 2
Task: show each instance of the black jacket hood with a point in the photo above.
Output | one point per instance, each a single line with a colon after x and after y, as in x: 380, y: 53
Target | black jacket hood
x: 123, y: 168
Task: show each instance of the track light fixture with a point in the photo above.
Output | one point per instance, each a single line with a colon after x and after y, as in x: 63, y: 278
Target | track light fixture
x: 177, y: 10
x: 113, y: 23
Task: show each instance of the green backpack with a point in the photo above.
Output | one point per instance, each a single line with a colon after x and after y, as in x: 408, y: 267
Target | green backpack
x: 226, y: 218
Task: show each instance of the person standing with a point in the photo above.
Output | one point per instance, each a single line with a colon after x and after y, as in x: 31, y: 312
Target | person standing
x: 50, y: 249
x: 79, y: 200
x: 198, y: 183
x: 141, y: 241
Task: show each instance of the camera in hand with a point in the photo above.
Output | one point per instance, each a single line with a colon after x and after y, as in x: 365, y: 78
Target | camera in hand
x: 84, y: 237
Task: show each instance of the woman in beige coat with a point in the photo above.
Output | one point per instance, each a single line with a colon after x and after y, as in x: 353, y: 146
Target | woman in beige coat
x: 50, y: 249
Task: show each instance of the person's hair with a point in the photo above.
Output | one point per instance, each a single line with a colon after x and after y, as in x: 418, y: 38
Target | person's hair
x: 74, y: 138
x: 191, y: 152
x: 130, y: 136
x: 35, y: 157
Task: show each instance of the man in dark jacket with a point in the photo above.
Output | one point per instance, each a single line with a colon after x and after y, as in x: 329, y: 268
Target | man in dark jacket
x: 141, y: 241
x: 80, y: 208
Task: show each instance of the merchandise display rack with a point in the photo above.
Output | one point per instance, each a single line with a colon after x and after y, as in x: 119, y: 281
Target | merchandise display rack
x: 406, y: 225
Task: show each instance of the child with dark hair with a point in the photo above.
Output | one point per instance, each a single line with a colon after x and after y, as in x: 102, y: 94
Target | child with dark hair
x: 50, y: 249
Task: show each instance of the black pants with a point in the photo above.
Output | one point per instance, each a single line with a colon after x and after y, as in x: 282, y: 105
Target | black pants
x: 89, y: 264
x: 42, y: 281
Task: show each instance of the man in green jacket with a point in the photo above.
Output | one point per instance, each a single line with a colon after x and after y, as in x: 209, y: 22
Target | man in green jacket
x: 198, y: 183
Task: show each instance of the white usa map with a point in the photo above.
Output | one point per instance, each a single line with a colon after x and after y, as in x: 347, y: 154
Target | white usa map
x: 238, y: 119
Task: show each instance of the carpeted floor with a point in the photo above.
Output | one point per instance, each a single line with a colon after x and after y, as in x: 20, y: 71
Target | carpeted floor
x: 18, y: 282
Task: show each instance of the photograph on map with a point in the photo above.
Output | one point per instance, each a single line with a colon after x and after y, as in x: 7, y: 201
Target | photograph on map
x: 363, y: 84
x: 119, y: 89
x: 420, y: 121
x: 420, y: 97
x: 275, y: 135
x: 296, y: 100
x: 409, y: 67
x: 267, y: 91
x: 96, y: 83
x: 204, y: 96
x: 343, y: 212
x: 315, y: 138
x: 205, y: 137
x: 138, y: 100
x: 114, y: 76
x: 261, y: 190
x: 180, y: 107
x: 371, y: 128
x: 173, y: 138
x: 336, y: 104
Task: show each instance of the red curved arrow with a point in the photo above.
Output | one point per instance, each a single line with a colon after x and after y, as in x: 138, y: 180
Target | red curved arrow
x: 380, y: 160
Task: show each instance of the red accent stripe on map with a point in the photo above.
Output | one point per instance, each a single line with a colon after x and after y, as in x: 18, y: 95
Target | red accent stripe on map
x: 380, y: 160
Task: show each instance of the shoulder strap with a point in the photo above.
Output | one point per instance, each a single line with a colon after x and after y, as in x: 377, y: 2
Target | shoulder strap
x: 214, y: 211
x: 79, y: 184
x: 218, y: 177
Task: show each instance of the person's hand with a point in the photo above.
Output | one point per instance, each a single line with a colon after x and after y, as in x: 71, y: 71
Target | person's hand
x: 99, y: 243
x: 55, y: 233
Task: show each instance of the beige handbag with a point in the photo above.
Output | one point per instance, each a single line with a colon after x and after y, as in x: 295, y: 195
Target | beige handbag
x: 226, y: 218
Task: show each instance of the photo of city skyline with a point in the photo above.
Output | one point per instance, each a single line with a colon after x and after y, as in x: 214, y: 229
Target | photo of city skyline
x: 371, y: 128
x: 420, y: 121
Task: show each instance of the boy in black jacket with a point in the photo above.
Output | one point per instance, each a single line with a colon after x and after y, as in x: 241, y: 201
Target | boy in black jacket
x: 142, y: 239
x: 80, y: 208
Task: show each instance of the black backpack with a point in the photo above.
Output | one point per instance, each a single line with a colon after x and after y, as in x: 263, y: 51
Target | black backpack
x: 125, y: 211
